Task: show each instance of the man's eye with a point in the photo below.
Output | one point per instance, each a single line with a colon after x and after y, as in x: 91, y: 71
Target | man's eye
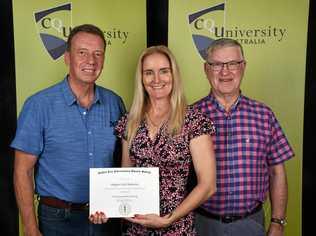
x: 233, y: 63
x: 82, y: 53
x: 217, y: 64
x: 98, y: 54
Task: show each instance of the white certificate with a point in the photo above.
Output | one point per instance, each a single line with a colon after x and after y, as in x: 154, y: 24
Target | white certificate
x: 124, y: 192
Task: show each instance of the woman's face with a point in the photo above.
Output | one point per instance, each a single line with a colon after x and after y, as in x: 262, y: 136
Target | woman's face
x: 157, y: 76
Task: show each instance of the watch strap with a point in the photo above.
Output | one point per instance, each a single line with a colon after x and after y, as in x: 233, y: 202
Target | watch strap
x: 279, y: 221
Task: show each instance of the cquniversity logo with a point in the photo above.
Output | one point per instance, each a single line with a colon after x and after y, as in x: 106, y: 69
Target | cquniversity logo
x: 205, y: 26
x: 54, y: 26
x: 209, y: 24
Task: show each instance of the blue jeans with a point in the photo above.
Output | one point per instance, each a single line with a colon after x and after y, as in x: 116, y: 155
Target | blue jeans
x: 66, y: 222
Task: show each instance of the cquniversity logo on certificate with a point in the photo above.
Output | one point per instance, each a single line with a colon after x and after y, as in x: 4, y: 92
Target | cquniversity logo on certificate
x: 206, y: 25
x: 54, y: 26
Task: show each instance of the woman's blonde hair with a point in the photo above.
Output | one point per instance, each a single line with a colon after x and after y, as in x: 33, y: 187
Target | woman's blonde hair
x: 141, y: 99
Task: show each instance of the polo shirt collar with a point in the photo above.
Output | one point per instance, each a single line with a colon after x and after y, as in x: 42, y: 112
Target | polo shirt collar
x: 70, y: 97
x: 97, y: 94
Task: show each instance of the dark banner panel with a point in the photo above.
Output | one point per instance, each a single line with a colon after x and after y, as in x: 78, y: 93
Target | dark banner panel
x: 8, y: 209
x: 157, y: 22
x: 309, y: 151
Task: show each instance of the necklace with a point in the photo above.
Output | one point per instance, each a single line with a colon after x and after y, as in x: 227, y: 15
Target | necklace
x: 159, y: 124
x: 153, y: 123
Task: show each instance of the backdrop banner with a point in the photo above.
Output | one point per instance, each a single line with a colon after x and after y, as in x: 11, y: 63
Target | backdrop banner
x: 41, y: 29
x: 274, y: 37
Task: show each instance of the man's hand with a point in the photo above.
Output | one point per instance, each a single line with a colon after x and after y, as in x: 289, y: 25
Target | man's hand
x: 98, y: 218
x: 32, y: 232
x: 275, y: 230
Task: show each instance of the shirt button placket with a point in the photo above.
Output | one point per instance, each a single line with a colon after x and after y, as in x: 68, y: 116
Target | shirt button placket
x: 90, y: 143
x: 230, y: 157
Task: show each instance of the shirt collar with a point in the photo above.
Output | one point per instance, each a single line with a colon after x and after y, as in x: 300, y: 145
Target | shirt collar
x: 234, y: 107
x: 97, y: 94
x: 70, y: 97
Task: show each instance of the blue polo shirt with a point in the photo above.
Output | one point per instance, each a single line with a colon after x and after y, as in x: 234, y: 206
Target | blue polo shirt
x: 68, y: 139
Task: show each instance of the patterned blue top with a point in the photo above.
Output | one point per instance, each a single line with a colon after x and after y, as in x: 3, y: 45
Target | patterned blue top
x: 68, y: 139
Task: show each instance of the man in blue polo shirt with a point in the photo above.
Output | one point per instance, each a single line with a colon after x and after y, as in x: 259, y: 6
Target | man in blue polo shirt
x: 62, y: 132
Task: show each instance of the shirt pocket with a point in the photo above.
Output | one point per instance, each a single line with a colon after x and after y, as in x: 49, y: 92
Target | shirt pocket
x: 253, y: 144
x: 254, y: 151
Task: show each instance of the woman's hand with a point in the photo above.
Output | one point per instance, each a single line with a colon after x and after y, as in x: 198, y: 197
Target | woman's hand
x: 152, y: 220
x: 98, y: 218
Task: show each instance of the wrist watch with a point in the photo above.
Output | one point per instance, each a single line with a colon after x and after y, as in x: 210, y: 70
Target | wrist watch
x: 280, y: 221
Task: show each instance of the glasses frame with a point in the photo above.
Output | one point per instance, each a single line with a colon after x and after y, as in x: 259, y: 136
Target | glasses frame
x: 228, y: 65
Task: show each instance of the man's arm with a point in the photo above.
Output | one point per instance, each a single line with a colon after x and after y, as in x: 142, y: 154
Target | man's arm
x: 278, y: 197
x: 24, y: 190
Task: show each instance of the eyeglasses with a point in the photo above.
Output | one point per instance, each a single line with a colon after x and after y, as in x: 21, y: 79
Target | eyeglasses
x: 231, y: 65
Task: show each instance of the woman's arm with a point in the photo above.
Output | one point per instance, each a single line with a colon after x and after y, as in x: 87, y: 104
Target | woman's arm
x: 126, y: 161
x: 205, y: 168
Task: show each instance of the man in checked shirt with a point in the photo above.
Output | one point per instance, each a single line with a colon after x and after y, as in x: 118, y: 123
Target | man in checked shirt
x: 250, y: 148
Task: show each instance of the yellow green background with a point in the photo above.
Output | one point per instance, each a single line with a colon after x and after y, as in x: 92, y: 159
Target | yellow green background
x: 36, y: 70
x: 275, y: 72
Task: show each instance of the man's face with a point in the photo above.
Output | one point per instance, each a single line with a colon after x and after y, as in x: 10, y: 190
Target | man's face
x: 224, y: 78
x: 85, y: 58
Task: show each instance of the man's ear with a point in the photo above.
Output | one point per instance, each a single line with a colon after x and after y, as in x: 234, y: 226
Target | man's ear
x: 205, y: 67
x: 67, y: 58
x: 245, y: 63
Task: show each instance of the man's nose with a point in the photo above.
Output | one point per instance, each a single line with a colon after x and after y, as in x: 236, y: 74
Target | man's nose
x: 224, y: 66
x: 224, y: 69
x: 91, y: 58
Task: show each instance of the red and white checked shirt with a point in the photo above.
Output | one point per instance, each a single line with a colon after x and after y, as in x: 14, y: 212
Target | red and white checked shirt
x: 247, y: 140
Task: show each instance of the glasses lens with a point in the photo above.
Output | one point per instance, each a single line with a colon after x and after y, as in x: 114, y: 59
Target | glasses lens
x: 231, y: 65
x: 217, y: 66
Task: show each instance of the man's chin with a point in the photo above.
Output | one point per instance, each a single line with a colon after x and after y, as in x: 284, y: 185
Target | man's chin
x: 229, y: 92
x: 90, y: 78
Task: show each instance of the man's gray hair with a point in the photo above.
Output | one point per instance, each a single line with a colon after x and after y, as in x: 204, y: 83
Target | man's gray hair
x: 223, y: 42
